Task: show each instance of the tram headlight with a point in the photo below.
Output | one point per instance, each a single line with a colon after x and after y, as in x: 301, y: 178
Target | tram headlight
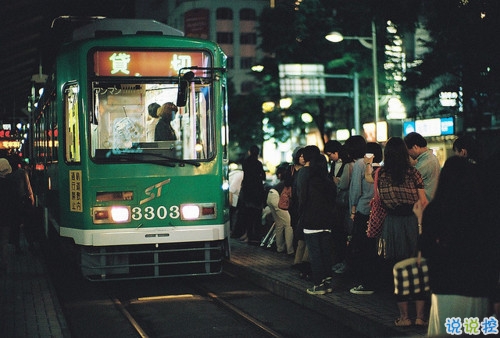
x: 190, y: 211
x: 111, y: 214
x: 198, y: 211
x: 120, y: 214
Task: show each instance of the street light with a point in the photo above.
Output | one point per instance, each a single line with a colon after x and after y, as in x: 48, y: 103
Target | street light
x: 371, y: 43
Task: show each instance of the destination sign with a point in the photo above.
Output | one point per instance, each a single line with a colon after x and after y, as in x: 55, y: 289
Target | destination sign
x: 147, y: 63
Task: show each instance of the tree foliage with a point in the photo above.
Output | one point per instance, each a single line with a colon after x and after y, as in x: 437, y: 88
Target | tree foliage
x: 463, y: 54
x: 465, y: 45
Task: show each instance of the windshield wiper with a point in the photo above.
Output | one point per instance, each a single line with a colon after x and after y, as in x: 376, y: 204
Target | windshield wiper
x: 173, y: 159
x: 133, y: 156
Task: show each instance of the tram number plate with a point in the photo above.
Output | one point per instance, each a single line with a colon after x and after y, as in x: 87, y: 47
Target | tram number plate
x: 150, y: 213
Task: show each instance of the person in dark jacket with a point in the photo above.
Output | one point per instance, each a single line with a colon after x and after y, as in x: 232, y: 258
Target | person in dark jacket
x: 316, y: 201
x: 460, y: 242
x: 251, y: 199
x: 163, y: 129
x: 301, y: 261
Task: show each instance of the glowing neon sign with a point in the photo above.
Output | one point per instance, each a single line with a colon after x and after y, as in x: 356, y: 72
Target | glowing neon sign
x: 146, y: 63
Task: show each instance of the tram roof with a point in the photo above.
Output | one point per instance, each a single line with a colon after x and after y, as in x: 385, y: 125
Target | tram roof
x: 114, y: 27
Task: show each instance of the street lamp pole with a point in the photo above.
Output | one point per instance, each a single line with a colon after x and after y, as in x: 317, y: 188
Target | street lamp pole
x: 375, y: 78
x: 371, y: 43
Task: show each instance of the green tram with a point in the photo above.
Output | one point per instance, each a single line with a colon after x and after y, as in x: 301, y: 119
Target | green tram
x: 126, y: 204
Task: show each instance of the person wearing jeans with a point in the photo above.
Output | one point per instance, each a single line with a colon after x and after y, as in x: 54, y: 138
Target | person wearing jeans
x: 317, y: 195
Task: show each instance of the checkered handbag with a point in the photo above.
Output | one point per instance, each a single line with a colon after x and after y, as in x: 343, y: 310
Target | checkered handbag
x: 377, y: 212
x: 411, y: 278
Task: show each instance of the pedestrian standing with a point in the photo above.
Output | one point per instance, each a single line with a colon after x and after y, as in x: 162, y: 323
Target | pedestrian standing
x: 400, y: 186
x: 251, y: 196
x: 426, y: 162
x: 301, y: 260
x: 340, y: 172
x: 362, y: 254
x: 302, y: 176
x: 316, y: 200
x: 466, y: 146
x: 458, y: 240
x: 23, y: 202
x: 6, y: 212
x: 235, y: 178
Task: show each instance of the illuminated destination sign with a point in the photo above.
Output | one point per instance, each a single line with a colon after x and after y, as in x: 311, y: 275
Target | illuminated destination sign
x: 146, y: 63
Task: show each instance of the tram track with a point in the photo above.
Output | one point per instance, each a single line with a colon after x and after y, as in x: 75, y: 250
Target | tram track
x: 252, y: 320
x: 201, y: 293
x: 123, y: 310
x: 224, y: 305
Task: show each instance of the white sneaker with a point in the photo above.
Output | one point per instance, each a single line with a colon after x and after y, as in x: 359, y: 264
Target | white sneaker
x: 361, y: 290
x: 317, y: 290
x: 328, y: 284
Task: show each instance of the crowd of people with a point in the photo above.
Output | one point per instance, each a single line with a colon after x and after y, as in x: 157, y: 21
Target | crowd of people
x: 445, y: 216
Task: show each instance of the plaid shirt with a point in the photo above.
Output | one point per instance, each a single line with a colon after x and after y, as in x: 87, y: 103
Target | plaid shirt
x: 403, y: 194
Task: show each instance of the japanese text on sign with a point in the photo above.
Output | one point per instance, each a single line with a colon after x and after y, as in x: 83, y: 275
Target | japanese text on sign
x: 75, y: 190
x: 147, y: 63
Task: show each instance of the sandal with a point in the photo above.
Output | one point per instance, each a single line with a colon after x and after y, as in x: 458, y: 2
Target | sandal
x: 402, y: 322
x: 421, y: 322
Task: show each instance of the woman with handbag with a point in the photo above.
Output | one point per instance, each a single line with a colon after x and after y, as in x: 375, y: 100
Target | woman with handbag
x: 400, y: 186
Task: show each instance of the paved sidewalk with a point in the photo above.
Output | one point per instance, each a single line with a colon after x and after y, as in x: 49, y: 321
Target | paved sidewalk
x: 28, y: 303
x: 372, y: 315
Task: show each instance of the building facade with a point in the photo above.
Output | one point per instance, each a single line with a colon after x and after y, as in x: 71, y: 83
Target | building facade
x: 231, y: 23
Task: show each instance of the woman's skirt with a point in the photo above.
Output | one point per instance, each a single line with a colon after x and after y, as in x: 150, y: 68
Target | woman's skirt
x: 399, y: 237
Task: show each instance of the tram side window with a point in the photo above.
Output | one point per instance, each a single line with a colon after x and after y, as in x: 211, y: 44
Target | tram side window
x: 72, y: 138
x: 45, y: 133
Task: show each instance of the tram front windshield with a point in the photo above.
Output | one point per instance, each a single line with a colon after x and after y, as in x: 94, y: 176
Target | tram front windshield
x: 141, y: 122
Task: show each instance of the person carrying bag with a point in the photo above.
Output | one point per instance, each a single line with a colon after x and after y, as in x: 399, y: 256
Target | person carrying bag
x: 377, y: 213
